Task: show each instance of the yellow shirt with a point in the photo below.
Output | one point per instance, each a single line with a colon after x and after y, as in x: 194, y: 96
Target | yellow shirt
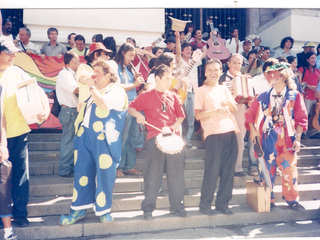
x: 15, y: 123
x: 84, y: 93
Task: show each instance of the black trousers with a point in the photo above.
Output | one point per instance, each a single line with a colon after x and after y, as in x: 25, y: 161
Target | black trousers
x: 156, y: 163
x: 220, y: 158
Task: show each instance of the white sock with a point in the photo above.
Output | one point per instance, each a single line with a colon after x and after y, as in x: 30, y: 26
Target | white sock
x: 7, y: 232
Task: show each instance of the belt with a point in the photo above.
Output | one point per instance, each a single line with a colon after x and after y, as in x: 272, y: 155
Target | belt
x: 65, y: 106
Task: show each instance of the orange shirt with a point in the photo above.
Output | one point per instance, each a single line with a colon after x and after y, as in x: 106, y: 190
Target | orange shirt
x: 210, y: 98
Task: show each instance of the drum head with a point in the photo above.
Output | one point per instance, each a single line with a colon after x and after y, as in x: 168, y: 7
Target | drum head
x: 170, y: 144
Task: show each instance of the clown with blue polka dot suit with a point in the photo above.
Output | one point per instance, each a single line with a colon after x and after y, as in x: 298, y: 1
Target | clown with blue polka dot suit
x: 97, y: 146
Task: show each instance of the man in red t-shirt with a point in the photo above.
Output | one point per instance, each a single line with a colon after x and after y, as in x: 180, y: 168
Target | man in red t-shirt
x: 162, y: 108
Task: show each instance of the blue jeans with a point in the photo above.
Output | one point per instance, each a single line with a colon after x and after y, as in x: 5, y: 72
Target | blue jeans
x: 18, y: 156
x: 67, y: 117
x: 189, y: 106
x: 129, y: 142
x: 140, y: 141
x: 251, y: 158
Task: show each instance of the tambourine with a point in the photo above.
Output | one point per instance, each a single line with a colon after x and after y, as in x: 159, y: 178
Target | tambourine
x: 168, y: 142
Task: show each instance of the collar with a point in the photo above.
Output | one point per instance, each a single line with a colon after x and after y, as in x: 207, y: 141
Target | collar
x: 70, y: 70
x: 49, y: 44
x: 282, y: 94
x: 232, y: 76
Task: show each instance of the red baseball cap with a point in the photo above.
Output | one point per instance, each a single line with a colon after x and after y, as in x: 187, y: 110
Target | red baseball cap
x: 98, y: 46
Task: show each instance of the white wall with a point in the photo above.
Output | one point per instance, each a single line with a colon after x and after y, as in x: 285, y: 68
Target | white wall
x: 297, y: 24
x: 142, y: 24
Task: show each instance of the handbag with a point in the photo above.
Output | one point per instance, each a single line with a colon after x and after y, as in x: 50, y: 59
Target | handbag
x: 56, y: 107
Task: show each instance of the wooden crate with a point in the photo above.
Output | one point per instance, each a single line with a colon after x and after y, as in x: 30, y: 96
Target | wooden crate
x: 258, y: 197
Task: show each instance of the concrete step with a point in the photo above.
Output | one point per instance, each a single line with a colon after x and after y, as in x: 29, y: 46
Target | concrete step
x: 132, y: 222
x: 131, y: 201
x: 51, y: 185
x: 44, y: 146
x: 44, y: 137
x: 47, y: 162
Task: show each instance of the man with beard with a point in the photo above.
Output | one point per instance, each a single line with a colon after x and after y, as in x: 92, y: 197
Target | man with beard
x: 7, y: 30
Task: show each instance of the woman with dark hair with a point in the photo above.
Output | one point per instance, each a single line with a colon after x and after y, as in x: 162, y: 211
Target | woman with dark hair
x: 110, y: 43
x: 286, y: 46
x: 310, y: 74
x: 157, y: 51
x: 129, y: 81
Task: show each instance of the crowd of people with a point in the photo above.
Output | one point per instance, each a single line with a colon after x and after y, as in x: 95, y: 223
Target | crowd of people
x: 108, y: 102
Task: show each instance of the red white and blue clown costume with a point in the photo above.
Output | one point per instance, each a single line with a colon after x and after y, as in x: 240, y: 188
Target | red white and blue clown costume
x: 276, y: 123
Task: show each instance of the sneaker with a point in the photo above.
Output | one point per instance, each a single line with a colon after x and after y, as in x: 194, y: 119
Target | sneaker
x: 73, y: 217
x: 21, y: 222
x: 296, y: 206
x: 180, y: 213
x: 11, y: 237
x: 106, y: 218
x: 190, y: 146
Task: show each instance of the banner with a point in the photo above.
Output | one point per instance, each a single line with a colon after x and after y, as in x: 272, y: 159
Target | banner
x: 45, y: 71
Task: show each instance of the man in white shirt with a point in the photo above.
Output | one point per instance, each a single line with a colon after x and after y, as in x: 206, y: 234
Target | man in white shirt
x: 7, y: 29
x: 260, y: 83
x: 235, y: 64
x: 234, y: 44
x: 25, y: 45
x: 67, y: 94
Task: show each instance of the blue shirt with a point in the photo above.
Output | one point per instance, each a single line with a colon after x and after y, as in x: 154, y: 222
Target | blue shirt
x: 127, y: 77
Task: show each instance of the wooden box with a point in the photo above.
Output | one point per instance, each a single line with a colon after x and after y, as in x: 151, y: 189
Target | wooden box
x: 29, y: 100
x: 258, y: 197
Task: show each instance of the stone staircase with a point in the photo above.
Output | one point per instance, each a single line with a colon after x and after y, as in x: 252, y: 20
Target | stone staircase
x: 50, y: 196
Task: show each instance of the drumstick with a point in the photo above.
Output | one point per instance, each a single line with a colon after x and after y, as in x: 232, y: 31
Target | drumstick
x: 164, y: 134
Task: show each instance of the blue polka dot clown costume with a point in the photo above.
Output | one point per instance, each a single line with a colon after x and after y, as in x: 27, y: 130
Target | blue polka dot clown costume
x: 97, y: 152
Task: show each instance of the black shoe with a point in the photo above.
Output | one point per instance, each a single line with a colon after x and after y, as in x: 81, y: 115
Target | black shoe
x: 21, y: 222
x: 240, y: 174
x: 208, y: 212
x: 147, y: 215
x: 180, y: 213
x: 187, y: 192
x: 68, y: 175
x: 226, y: 211
x: 296, y: 206
x: 315, y: 136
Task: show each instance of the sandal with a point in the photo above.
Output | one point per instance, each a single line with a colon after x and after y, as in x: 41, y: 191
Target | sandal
x: 120, y: 174
x: 133, y: 172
